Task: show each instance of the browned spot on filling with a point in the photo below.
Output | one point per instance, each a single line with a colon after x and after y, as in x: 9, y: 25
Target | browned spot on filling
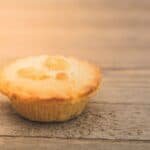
x: 56, y: 64
x: 32, y: 73
x: 61, y: 76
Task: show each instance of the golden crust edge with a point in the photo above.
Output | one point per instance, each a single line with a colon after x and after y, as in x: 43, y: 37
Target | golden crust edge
x: 85, y: 92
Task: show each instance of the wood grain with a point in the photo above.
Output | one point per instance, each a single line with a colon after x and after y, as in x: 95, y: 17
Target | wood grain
x: 125, y: 87
x: 99, y: 121
x: 58, y: 144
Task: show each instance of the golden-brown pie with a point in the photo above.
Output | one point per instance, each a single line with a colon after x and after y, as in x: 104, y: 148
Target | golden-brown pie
x: 49, y: 88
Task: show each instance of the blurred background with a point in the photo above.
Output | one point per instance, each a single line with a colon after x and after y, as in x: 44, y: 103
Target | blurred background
x: 112, y: 33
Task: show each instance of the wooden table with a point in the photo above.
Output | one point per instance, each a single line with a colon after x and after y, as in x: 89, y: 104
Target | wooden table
x: 112, y: 33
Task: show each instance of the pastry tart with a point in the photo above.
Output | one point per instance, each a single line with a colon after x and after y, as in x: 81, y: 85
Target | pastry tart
x: 49, y: 88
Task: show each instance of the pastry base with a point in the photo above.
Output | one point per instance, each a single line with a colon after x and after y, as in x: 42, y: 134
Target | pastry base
x: 49, y: 110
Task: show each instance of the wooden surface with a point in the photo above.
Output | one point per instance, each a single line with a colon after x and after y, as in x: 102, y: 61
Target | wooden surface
x: 115, y: 35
